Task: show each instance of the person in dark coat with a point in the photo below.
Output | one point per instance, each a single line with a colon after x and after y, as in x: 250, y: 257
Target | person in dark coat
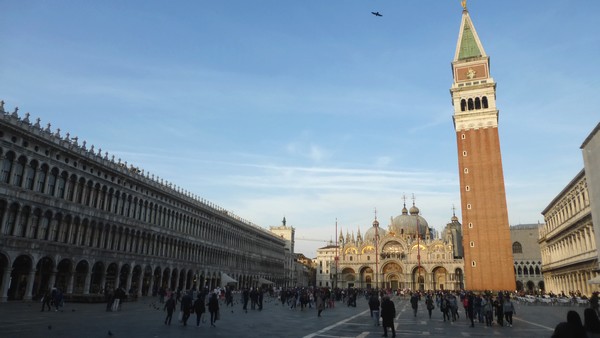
x: 186, y: 307
x: 169, y: 307
x: 470, y: 307
x: 374, y: 304
x: 46, y: 299
x: 213, y: 308
x: 429, y: 304
x: 414, y: 302
x: 388, y: 313
x: 199, y: 307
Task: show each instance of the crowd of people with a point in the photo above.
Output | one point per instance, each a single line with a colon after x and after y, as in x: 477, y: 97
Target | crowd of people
x: 486, y: 308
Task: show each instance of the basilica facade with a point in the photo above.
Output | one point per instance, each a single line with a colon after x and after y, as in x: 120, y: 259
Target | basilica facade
x: 78, y: 219
x: 406, y: 255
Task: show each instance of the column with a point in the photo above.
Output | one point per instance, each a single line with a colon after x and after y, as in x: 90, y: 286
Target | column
x: 151, y: 284
x: 5, y: 284
x: 117, y: 279
x: 29, y: 288
x: 177, y: 280
x: 86, y: 284
x: 128, y: 281
x: 71, y: 282
x: 140, y: 285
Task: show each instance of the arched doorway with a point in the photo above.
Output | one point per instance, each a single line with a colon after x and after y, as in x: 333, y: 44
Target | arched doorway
x: 530, y: 286
x: 81, y: 271
x: 519, y: 285
x: 111, y: 276
x: 146, y: 280
x: 440, y: 278
x: 458, y: 279
x: 63, y: 275
x: 135, y: 280
x: 391, y: 275
x: 124, y: 276
x: 97, y: 276
x: 18, y: 283
x: 366, y: 278
x: 44, y: 270
x: 418, y: 278
x: 348, y: 278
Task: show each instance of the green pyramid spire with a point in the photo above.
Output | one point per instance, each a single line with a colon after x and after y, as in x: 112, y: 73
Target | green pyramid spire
x: 468, y: 44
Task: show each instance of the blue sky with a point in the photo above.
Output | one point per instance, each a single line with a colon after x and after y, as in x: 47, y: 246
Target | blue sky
x: 312, y: 110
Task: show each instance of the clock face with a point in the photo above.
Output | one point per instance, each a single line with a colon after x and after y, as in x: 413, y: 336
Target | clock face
x: 473, y: 72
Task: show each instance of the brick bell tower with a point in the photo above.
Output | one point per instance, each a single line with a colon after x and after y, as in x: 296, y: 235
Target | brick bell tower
x: 486, y: 233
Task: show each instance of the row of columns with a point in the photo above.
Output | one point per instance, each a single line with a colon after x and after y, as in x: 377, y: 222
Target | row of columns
x: 571, y: 282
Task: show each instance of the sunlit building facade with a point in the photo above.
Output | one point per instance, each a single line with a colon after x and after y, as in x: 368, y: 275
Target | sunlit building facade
x: 403, y: 256
x: 76, y: 218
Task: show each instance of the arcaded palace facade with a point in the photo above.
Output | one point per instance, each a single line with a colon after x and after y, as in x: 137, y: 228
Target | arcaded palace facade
x: 482, y: 192
x: 568, y: 240
x: 404, y: 256
x: 75, y: 218
x: 528, y: 257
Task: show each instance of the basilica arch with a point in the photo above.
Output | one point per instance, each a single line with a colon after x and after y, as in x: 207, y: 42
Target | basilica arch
x: 366, y: 278
x: 392, y: 276
x: 348, y: 277
x: 419, y: 278
x: 440, y: 278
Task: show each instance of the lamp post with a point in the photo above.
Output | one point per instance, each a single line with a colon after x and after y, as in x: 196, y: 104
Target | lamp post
x: 335, y: 276
x: 376, y: 225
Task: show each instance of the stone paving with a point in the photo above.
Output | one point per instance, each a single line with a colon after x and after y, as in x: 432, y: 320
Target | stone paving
x: 145, y: 318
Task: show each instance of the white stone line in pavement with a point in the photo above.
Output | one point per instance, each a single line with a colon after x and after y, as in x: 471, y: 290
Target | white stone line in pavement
x: 534, y: 324
x: 320, y: 332
x: 363, y: 335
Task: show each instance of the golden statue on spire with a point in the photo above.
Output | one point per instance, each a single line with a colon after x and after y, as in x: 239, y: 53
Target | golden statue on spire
x: 464, y: 4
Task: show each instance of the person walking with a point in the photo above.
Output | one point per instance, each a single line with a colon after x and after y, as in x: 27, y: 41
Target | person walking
x: 498, y: 305
x: 388, y: 313
x: 320, y: 302
x: 199, y: 307
x: 487, y: 309
x: 169, y: 307
x: 213, y: 308
x: 186, y: 307
x: 46, y: 299
x: 445, y: 307
x: 414, y: 302
x: 594, y: 302
x: 374, y: 304
x: 509, y: 309
x: 469, y: 307
x: 429, y: 305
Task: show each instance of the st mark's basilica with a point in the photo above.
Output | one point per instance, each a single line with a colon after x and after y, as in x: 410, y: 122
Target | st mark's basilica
x: 404, y: 255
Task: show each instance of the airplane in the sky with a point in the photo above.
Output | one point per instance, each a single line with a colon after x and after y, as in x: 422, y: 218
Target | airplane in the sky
x: 376, y: 13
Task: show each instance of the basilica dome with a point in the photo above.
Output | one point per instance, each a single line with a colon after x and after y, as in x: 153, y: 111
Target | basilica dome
x: 406, y: 224
x: 370, y: 234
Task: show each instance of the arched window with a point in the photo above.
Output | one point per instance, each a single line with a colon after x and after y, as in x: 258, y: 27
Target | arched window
x: 517, y: 248
x: 519, y: 271
x: 463, y: 105
x: 470, y: 104
x: 477, y: 103
x: 484, y: 102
